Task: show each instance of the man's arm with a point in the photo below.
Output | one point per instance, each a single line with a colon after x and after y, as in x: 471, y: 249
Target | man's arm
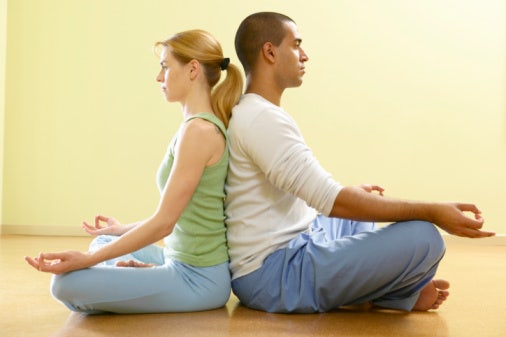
x: 355, y: 203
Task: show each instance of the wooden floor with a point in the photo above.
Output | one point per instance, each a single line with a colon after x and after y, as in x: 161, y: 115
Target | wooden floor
x: 476, y: 306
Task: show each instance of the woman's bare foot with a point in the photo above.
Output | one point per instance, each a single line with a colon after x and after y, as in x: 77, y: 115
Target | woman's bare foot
x: 432, y: 295
x: 134, y: 264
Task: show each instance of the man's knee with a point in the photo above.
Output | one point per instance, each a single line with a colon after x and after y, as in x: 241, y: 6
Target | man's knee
x: 427, y: 235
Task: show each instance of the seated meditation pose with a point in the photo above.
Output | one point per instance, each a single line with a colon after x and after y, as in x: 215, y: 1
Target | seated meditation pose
x: 125, y: 271
x: 299, y: 241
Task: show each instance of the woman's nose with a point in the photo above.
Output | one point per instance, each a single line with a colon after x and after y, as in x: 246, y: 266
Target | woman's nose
x: 159, y: 77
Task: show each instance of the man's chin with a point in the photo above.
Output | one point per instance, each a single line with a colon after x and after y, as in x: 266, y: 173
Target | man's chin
x: 296, y: 84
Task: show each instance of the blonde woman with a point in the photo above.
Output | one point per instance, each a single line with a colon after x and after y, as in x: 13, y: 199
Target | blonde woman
x: 124, y: 272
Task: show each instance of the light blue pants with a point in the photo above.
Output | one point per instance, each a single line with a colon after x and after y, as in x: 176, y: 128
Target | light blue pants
x: 343, y: 262
x: 171, y: 286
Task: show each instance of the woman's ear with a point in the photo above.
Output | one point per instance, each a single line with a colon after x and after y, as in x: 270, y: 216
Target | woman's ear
x: 194, y: 68
x: 269, y: 52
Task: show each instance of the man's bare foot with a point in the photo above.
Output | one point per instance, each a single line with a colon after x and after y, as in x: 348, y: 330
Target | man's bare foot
x: 432, y: 295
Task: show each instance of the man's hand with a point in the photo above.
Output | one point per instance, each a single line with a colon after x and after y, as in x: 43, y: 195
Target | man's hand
x: 452, y: 218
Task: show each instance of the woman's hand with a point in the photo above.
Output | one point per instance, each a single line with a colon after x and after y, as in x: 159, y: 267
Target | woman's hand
x: 111, y: 227
x: 59, y: 263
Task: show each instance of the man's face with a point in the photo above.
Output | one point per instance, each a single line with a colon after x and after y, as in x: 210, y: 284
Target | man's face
x: 291, y: 58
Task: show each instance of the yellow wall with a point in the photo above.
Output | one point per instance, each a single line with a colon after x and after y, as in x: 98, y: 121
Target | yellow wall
x: 406, y: 94
x: 3, y: 36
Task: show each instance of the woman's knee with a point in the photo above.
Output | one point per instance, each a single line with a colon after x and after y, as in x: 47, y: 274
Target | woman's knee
x: 59, y: 288
x: 101, y: 240
x: 67, y: 287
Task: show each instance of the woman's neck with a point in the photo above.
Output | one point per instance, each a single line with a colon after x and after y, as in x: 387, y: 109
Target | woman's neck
x: 197, y: 104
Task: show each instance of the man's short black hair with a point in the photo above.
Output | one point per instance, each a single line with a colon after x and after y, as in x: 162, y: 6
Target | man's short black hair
x: 254, y: 32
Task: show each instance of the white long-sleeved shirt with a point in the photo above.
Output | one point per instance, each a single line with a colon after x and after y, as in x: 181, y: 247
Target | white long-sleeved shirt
x: 274, y: 186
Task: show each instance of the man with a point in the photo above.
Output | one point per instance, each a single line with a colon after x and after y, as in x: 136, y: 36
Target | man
x: 284, y: 256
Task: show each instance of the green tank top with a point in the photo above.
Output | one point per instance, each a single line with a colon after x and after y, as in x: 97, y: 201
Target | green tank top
x: 199, y: 238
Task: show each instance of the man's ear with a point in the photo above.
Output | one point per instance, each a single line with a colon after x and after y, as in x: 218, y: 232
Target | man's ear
x: 269, y: 52
x: 194, y: 69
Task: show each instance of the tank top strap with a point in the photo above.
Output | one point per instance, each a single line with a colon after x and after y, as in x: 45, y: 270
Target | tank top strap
x: 208, y: 116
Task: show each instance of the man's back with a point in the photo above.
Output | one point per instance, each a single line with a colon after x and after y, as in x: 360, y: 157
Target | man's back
x: 271, y: 171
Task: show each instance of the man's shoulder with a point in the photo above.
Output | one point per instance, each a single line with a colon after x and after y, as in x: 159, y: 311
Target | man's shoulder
x: 250, y: 108
x: 252, y: 103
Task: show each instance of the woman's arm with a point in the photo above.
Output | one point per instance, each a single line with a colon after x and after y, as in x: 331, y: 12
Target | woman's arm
x: 198, y: 146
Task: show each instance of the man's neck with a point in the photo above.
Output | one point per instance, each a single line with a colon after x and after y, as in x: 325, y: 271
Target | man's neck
x: 264, y: 89
x: 273, y: 98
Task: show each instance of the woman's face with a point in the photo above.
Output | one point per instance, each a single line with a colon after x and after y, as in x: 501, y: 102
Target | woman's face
x: 172, y: 77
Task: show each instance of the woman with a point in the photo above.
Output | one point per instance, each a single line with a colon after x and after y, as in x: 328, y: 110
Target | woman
x: 191, y: 273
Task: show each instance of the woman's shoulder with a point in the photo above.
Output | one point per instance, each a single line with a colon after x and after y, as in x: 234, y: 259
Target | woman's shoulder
x: 202, y: 132
x: 204, y: 139
x: 201, y: 126
x: 205, y: 120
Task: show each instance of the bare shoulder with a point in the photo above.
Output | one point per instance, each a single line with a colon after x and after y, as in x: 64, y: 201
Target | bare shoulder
x: 200, y: 136
x: 202, y: 128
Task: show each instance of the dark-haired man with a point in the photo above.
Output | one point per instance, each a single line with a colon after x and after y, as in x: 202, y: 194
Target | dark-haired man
x: 285, y: 256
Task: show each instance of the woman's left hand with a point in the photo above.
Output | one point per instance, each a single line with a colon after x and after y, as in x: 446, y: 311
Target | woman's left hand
x: 59, y: 263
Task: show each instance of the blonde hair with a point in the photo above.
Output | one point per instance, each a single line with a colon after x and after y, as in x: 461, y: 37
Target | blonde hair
x: 202, y: 46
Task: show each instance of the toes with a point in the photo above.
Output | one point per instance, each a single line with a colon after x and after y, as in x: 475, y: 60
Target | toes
x: 441, y: 284
x: 443, y: 294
